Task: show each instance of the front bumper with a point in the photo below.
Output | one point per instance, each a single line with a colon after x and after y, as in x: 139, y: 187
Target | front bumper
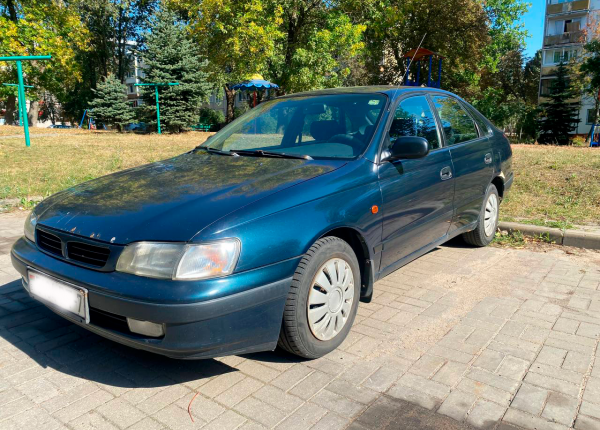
x: 237, y: 314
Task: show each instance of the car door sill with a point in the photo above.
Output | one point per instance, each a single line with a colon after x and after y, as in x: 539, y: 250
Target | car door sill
x: 424, y: 250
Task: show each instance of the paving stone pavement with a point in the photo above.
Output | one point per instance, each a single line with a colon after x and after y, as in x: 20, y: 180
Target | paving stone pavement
x: 461, y: 338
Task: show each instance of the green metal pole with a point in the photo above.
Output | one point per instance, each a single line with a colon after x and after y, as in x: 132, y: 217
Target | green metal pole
x: 23, y: 103
x: 157, y: 108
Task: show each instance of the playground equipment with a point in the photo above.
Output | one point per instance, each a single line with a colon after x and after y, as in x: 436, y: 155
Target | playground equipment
x: 22, y: 106
x: 256, y: 83
x: 595, y: 139
x: 21, y: 119
x: 156, y: 85
x: 416, y: 59
x: 91, y: 121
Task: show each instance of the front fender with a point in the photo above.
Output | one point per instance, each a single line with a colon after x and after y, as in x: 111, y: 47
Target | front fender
x: 291, y: 222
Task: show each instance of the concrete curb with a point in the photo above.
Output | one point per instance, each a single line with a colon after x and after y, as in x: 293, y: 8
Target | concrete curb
x: 576, y: 238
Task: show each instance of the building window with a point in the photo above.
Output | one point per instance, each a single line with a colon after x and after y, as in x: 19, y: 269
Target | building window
x: 554, y: 56
x: 561, y: 26
x: 591, y: 113
x: 545, y: 87
x: 131, y: 88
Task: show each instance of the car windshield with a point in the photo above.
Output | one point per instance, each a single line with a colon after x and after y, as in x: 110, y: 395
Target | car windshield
x: 327, y: 126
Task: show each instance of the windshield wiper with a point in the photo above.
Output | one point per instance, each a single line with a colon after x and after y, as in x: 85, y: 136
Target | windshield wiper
x: 216, y: 151
x: 261, y: 153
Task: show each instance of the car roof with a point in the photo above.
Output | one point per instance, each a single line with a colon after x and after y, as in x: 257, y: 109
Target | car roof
x: 390, y: 90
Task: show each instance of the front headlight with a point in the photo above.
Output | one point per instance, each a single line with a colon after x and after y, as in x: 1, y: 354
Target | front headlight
x: 30, y: 223
x: 180, y: 261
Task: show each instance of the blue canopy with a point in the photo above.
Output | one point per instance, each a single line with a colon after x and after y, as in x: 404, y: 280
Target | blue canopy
x: 254, y: 84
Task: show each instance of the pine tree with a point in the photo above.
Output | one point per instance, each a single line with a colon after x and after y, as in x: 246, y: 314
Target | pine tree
x: 559, y: 116
x: 110, y: 105
x: 170, y: 56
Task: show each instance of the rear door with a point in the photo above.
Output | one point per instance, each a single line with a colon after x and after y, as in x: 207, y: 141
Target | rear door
x: 472, y: 158
x: 417, y: 194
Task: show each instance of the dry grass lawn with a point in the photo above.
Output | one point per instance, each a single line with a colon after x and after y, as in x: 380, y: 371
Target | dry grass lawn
x: 557, y: 186
x: 67, y: 157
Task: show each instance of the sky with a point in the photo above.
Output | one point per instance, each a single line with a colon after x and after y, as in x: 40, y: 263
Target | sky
x: 534, y: 24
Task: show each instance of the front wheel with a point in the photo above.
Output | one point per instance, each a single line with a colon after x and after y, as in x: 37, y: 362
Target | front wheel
x: 322, y: 301
x: 488, y: 220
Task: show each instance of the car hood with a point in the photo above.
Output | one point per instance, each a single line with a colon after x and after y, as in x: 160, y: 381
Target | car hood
x: 172, y: 200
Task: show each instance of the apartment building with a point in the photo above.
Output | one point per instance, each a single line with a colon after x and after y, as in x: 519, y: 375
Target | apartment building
x: 567, y: 27
x: 134, y: 75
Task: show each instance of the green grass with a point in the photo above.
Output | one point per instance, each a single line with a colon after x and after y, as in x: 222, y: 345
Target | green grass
x: 554, y: 186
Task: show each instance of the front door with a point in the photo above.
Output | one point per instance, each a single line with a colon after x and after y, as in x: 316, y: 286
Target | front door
x: 417, y: 194
x: 472, y: 158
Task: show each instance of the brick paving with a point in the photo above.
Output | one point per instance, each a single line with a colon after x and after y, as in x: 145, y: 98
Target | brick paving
x: 461, y: 338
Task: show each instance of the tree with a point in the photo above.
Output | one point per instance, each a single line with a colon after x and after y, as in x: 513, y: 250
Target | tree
x: 170, y: 56
x: 110, y: 105
x: 590, y: 67
x: 38, y: 27
x: 112, y: 27
x: 394, y: 27
x: 320, y: 40
x: 238, y: 37
x: 509, y: 95
x: 559, y: 116
x: 506, y: 33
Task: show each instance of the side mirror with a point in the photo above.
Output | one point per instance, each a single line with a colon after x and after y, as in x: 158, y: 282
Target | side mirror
x: 409, y: 147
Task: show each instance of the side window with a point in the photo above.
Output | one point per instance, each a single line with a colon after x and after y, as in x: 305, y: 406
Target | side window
x: 456, y: 122
x: 413, y: 117
x: 484, y: 128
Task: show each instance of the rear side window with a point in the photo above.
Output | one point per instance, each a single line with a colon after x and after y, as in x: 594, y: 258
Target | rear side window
x: 413, y: 117
x: 457, y: 124
x: 484, y: 128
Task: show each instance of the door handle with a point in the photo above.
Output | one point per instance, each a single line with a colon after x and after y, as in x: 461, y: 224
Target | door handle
x: 488, y: 158
x: 446, y: 173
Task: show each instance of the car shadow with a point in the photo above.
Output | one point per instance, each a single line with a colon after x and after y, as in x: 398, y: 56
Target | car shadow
x: 30, y: 330
x: 457, y: 242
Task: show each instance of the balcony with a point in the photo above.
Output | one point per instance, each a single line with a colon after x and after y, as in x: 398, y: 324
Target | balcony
x: 565, y: 38
x: 572, y: 6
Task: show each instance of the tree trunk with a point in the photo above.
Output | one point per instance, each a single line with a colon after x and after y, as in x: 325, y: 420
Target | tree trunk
x: 11, y: 108
x: 12, y: 11
x: 33, y: 114
x: 230, y: 97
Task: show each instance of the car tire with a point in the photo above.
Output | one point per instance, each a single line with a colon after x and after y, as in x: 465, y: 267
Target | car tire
x: 487, y: 224
x: 304, y: 332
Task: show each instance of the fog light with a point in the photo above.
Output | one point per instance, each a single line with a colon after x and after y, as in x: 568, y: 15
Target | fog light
x: 146, y: 328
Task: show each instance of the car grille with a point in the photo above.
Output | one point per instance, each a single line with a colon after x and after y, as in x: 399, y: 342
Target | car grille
x: 77, y: 249
x: 49, y: 242
x: 88, y: 254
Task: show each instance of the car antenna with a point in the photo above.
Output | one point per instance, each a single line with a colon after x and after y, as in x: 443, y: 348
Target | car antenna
x: 409, y: 64
x: 414, y: 55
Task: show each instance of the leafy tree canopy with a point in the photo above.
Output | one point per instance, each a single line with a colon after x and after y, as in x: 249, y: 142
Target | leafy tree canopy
x: 41, y: 27
x: 170, y: 56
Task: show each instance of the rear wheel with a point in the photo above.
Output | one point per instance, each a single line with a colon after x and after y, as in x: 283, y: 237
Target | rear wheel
x: 488, y: 220
x: 322, y: 301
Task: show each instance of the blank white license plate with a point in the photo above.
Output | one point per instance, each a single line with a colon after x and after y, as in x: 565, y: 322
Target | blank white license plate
x: 65, y: 297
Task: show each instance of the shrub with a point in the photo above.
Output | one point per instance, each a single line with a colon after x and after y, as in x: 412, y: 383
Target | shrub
x: 211, y: 117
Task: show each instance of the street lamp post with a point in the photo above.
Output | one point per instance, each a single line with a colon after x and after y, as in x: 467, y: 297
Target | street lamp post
x: 22, y: 106
x: 156, y: 85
